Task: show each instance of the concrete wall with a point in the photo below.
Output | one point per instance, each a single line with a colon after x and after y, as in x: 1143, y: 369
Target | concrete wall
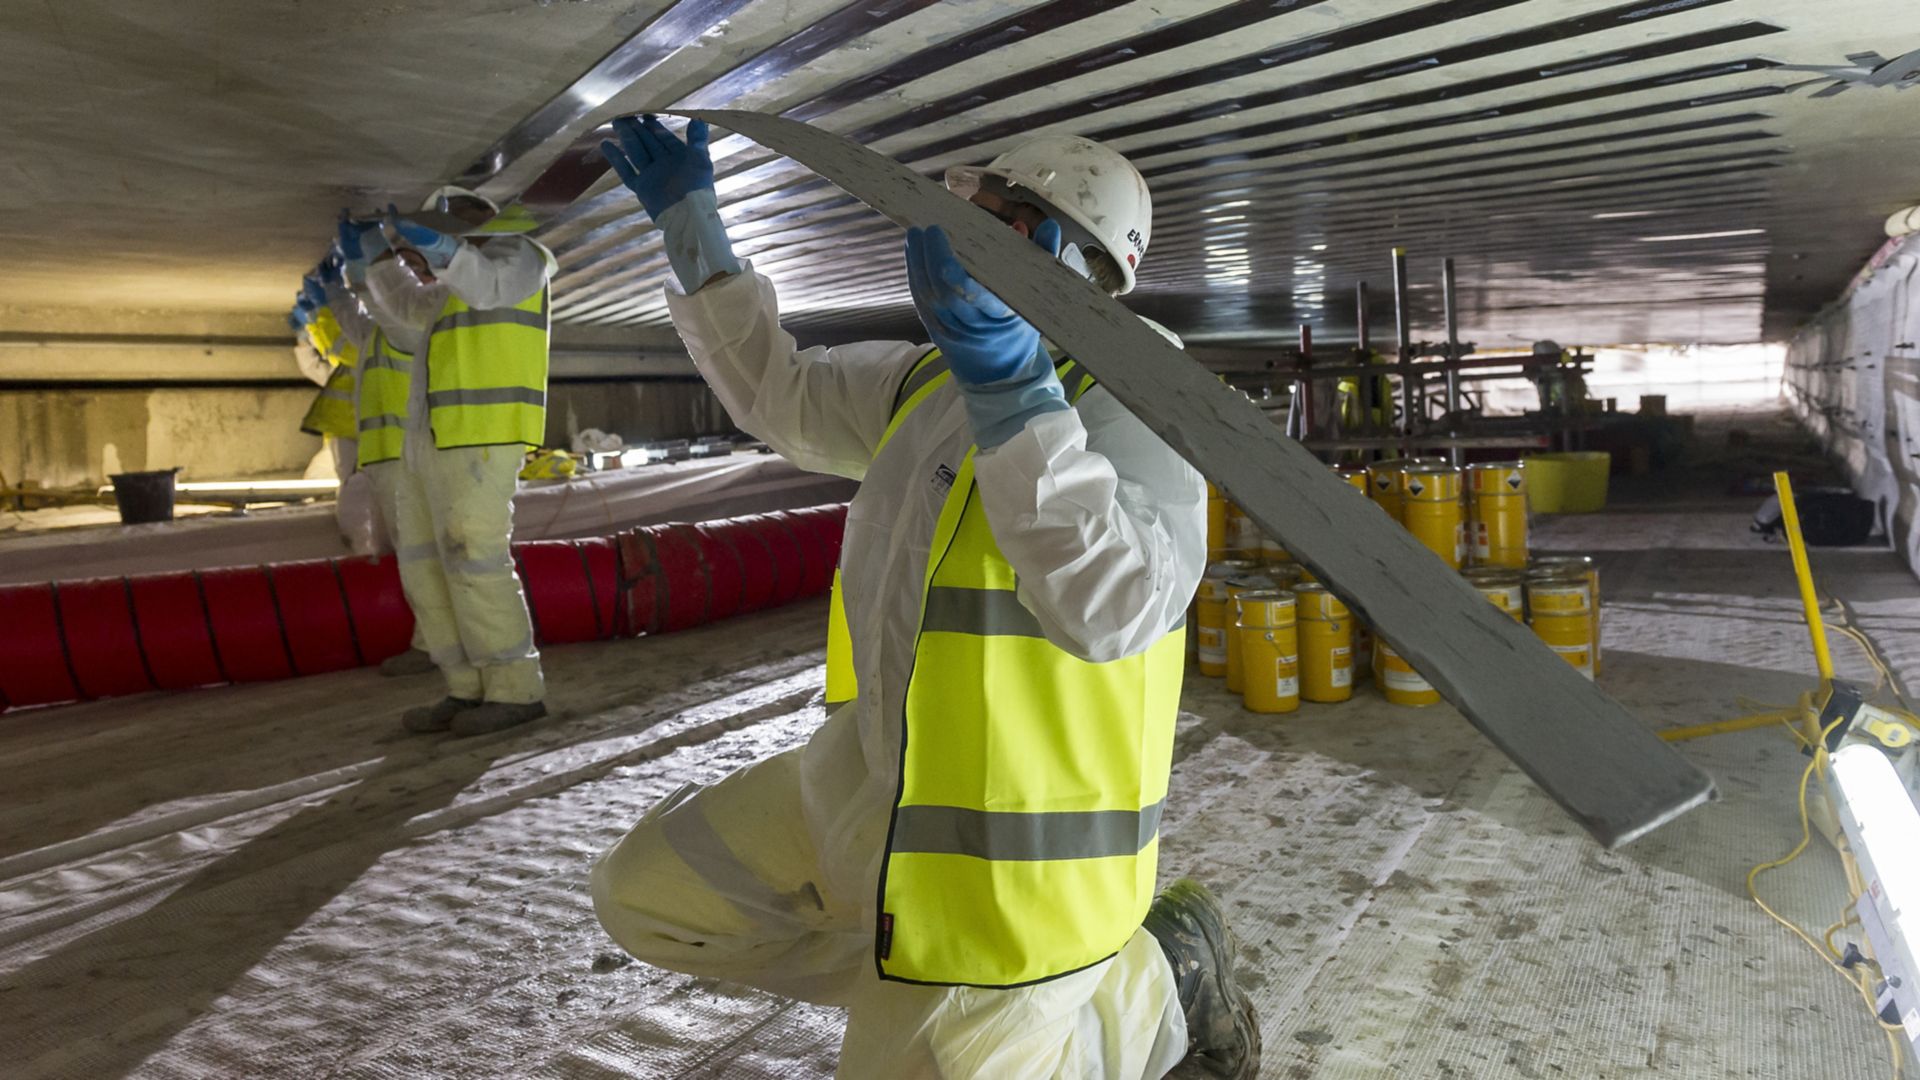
x: 69, y: 438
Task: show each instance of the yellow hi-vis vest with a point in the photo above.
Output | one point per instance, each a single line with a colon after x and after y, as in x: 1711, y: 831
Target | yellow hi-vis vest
x: 332, y: 410
x: 385, y: 378
x: 1025, y: 836
x: 487, y: 374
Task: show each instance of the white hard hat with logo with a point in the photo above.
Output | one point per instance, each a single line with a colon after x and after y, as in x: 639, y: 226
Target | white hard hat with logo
x: 1103, y: 198
x: 513, y: 218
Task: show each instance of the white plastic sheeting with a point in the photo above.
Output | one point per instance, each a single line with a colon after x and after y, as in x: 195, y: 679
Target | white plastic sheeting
x: 1853, y: 378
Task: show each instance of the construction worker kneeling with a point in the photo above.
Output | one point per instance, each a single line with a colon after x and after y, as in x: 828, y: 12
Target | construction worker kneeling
x: 964, y: 855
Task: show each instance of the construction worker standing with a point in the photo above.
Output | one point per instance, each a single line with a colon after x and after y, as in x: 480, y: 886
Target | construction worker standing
x: 964, y: 854
x: 464, y: 306
x: 376, y: 445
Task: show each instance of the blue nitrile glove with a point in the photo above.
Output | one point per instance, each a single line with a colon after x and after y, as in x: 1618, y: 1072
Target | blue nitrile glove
x: 657, y: 166
x: 438, y: 248
x: 298, y: 317
x: 696, y: 240
x: 329, y: 270
x: 353, y: 271
x: 347, y: 239
x: 1003, y: 372
x: 313, y: 291
x: 358, y: 241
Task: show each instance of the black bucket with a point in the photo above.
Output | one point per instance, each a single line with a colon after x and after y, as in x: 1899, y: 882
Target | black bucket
x: 144, y: 496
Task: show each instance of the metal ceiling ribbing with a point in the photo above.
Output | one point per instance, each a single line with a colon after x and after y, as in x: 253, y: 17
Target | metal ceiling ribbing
x: 1596, y: 169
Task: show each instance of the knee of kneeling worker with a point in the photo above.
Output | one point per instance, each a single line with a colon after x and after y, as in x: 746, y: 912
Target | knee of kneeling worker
x: 637, y: 913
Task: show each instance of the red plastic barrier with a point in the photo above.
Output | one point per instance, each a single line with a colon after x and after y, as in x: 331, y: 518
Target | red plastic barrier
x: 245, y: 617
x: 572, y: 588
x: 33, y: 661
x: 171, y: 619
x: 382, y: 621
x: 62, y: 641
x: 314, y: 616
x: 97, y: 617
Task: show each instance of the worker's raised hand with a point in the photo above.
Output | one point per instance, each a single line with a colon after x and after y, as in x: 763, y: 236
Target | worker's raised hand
x: 983, y: 339
x: 313, y: 292
x: 347, y: 239
x: 655, y: 165
x: 437, y: 247
x: 358, y: 241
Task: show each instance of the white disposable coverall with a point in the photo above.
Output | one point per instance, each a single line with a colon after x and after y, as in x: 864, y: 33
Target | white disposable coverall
x: 770, y: 876
x: 453, y: 509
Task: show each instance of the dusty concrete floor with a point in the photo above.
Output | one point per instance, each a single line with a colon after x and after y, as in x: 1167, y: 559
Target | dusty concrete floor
x: 265, y: 880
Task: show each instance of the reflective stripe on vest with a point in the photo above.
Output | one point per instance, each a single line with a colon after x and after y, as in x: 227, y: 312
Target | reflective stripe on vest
x: 332, y: 410
x: 922, y: 379
x: 1024, y: 841
x: 385, y: 380
x: 487, y: 374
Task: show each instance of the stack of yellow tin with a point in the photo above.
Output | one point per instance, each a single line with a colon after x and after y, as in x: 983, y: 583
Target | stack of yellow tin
x: 1278, y: 637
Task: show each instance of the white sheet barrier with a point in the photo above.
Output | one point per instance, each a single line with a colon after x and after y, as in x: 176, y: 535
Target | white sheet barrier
x: 1853, y: 378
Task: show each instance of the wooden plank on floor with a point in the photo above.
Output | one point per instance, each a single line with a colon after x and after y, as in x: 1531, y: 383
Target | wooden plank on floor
x: 1600, y: 764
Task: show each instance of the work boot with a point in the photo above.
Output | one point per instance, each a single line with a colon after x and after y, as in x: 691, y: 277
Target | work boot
x: 427, y: 719
x: 1223, y: 1037
x: 497, y: 716
x: 411, y: 662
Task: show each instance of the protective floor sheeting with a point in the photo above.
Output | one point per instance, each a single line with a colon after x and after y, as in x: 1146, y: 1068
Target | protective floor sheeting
x: 266, y: 880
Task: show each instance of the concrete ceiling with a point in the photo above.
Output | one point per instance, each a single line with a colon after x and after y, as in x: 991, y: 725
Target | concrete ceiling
x: 186, y: 160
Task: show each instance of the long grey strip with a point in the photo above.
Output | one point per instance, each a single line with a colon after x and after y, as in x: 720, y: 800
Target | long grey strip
x: 384, y: 420
x: 1612, y: 775
x: 1009, y: 837
x: 491, y: 317
x: 492, y: 395
x: 987, y: 612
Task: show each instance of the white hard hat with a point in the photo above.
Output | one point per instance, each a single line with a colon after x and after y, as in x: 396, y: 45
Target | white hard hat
x: 438, y: 200
x: 1089, y: 184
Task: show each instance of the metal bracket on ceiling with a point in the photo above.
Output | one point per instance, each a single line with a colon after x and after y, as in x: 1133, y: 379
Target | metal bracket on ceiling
x: 1867, y: 69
